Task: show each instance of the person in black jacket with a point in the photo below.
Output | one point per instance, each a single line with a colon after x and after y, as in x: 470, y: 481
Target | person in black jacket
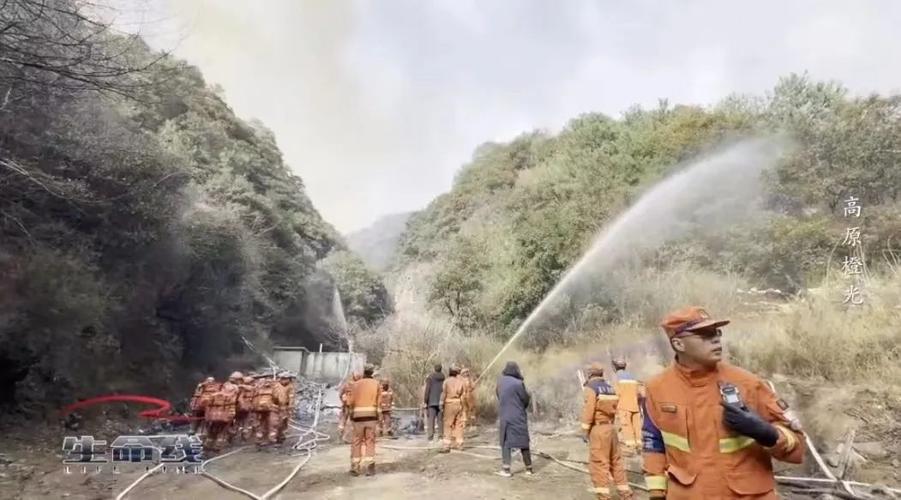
x: 432, y: 398
x: 513, y: 400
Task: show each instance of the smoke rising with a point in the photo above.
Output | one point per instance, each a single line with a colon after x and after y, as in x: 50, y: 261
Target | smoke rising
x: 376, y: 104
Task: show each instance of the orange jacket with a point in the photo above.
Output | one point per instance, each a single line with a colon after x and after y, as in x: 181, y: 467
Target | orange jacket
x: 222, y: 407
x: 689, y: 453
x: 469, y: 393
x: 264, y: 395
x: 629, y: 391
x: 600, y: 402
x: 365, y: 398
x: 453, y: 390
x: 346, y: 389
x: 286, y: 397
x: 386, y: 401
x: 245, y: 397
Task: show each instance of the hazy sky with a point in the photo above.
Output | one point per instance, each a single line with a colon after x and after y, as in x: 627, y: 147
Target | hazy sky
x: 377, y: 103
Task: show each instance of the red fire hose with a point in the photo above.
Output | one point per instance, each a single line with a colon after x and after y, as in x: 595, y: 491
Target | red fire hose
x: 161, y: 412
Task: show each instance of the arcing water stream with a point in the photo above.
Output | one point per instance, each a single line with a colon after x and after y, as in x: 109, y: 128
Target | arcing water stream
x: 705, y: 196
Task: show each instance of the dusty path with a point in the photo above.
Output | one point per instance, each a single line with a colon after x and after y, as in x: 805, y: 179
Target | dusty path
x: 402, y: 474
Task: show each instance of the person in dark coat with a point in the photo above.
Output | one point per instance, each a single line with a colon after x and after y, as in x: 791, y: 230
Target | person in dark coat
x: 513, y: 400
x: 434, y: 385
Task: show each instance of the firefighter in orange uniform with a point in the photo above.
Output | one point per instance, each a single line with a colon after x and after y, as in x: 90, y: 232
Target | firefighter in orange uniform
x: 469, y: 398
x: 386, y: 405
x: 344, y: 416
x: 243, y: 424
x: 452, y: 397
x: 203, y: 394
x: 712, y: 429
x: 364, y: 402
x: 221, y: 413
x: 266, y: 402
x: 287, y: 396
x: 629, y: 391
x: 597, y: 417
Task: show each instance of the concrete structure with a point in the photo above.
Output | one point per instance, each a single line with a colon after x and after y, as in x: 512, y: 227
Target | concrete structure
x: 322, y: 366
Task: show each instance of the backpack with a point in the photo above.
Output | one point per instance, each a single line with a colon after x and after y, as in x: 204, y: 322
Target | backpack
x: 263, y: 398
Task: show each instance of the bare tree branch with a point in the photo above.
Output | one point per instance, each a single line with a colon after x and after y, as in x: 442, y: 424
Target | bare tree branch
x: 54, y: 44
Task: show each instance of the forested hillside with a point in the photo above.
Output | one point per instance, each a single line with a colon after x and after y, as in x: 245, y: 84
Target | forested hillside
x: 521, y: 213
x: 144, y: 228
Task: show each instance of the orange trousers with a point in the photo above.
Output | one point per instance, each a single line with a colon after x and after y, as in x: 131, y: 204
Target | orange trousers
x: 454, y: 422
x: 605, y: 463
x: 267, y: 426
x: 362, y: 449
x: 216, y: 436
x: 242, y: 426
x: 385, y: 424
x: 630, y: 428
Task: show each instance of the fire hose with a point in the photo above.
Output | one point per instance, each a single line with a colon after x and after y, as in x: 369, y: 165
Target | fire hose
x: 161, y: 412
x: 303, y: 444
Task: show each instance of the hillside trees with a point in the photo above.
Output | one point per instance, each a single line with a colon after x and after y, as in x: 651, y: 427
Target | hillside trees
x: 548, y: 197
x: 146, y: 233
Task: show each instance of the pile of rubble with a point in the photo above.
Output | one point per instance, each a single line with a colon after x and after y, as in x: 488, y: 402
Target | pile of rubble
x: 308, y: 392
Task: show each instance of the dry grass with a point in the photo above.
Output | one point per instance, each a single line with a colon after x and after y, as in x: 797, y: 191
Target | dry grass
x: 821, y: 337
x: 811, y: 337
x: 649, y: 294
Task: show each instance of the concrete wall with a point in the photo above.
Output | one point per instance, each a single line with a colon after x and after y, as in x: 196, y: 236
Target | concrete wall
x: 289, y: 359
x: 331, y: 365
x: 324, y: 366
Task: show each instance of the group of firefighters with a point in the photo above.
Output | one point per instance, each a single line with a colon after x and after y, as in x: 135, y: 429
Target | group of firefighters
x: 368, y: 405
x: 243, y: 407
x: 704, y: 428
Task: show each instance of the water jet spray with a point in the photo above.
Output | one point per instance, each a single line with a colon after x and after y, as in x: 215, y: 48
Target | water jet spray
x: 719, y: 189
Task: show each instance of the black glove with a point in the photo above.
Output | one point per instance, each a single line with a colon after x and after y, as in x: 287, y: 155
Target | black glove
x: 748, y: 423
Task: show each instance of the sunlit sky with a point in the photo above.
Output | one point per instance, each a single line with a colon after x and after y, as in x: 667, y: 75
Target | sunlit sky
x: 377, y: 103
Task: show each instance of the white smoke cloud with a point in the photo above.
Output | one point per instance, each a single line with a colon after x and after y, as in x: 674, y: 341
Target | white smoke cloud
x: 376, y: 103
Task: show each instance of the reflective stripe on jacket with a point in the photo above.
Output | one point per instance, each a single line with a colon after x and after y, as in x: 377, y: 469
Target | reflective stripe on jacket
x: 600, y: 403
x: 689, y: 453
x: 364, y: 399
x: 628, y: 389
x: 453, y: 390
x: 387, y: 400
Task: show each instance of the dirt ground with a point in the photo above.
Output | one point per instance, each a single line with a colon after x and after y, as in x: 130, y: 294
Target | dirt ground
x: 414, y: 473
x: 31, y: 468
